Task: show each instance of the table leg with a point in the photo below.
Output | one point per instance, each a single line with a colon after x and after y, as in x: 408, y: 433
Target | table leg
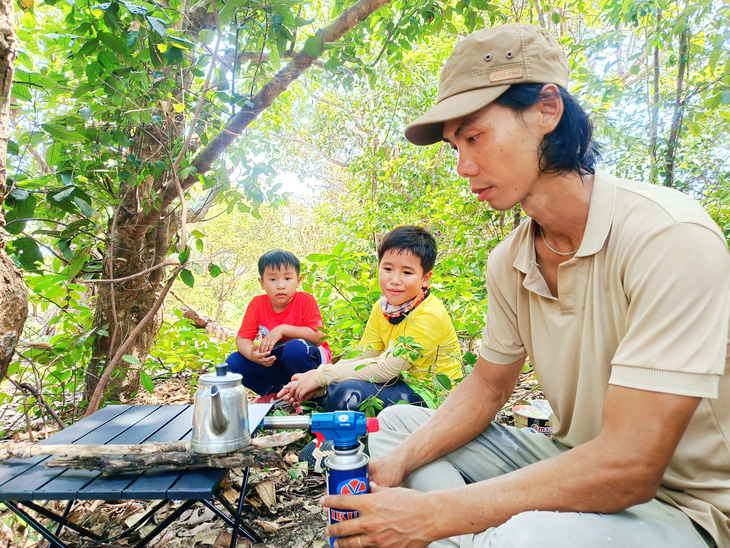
x: 164, y: 523
x: 61, y: 520
x: 52, y: 539
x: 63, y: 517
x: 242, y: 528
x: 244, y: 484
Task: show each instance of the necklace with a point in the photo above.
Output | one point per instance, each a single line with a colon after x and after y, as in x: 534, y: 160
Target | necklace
x: 551, y: 248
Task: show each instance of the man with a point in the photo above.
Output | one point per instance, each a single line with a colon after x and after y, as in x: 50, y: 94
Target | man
x: 619, y: 293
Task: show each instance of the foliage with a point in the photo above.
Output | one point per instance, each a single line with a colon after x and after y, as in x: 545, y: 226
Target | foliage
x: 94, y: 81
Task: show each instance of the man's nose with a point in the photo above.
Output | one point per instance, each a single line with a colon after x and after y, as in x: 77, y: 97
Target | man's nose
x: 466, y: 167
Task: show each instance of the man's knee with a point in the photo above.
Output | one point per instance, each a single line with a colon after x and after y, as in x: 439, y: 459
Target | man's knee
x: 550, y: 529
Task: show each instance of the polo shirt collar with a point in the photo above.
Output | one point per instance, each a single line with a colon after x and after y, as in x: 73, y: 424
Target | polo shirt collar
x: 598, y: 225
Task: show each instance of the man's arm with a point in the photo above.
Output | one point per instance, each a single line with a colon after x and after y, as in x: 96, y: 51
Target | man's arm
x: 623, y: 466
x: 479, y: 397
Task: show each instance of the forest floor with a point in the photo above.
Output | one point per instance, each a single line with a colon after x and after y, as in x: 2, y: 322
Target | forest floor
x: 282, y: 505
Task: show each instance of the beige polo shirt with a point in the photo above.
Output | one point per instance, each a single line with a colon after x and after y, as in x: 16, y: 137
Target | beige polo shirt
x: 644, y: 303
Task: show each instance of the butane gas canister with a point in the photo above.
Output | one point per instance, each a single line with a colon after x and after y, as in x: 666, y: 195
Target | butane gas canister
x: 347, y: 474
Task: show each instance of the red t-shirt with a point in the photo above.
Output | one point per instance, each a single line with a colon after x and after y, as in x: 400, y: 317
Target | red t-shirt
x: 260, y: 317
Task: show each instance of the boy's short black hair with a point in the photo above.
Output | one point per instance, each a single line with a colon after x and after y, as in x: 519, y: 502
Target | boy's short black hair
x: 411, y: 238
x: 278, y: 258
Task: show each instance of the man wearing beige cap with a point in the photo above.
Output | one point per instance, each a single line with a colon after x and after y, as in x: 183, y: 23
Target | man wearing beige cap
x: 620, y: 294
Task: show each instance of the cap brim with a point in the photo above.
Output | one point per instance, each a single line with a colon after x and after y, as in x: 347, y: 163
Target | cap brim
x: 429, y: 128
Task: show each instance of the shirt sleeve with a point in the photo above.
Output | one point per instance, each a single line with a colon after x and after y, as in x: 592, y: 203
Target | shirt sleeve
x: 677, y: 284
x: 371, y: 338
x: 249, y: 325
x: 311, y: 316
x: 501, y: 340
x: 380, y: 368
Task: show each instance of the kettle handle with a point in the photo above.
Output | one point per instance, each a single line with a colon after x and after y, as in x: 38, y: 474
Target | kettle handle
x: 221, y: 369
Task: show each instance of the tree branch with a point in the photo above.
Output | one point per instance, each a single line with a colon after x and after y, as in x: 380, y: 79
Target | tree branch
x: 258, y: 103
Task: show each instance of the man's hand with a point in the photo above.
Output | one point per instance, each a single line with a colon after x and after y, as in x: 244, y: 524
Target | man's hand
x: 261, y: 358
x: 387, y: 470
x: 302, y: 387
x: 389, y: 517
x: 268, y: 342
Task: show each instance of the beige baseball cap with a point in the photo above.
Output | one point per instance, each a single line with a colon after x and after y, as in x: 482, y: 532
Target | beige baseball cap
x: 483, y: 66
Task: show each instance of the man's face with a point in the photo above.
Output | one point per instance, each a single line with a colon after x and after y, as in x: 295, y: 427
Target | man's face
x: 280, y: 284
x: 498, y: 153
x: 401, y: 276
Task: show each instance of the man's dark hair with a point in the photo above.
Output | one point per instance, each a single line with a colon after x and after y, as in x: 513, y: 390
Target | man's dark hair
x: 570, y: 147
x: 411, y: 238
x: 278, y: 259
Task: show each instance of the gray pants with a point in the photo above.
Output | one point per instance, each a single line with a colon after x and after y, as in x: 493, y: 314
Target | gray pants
x: 501, y: 449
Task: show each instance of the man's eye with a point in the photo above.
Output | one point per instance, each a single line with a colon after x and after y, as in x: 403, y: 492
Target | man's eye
x: 472, y: 138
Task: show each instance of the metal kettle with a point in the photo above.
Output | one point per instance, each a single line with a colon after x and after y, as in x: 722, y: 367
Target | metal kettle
x: 220, y: 413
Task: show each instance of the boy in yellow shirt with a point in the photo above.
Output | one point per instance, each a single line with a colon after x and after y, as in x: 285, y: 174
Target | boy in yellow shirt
x: 406, y: 257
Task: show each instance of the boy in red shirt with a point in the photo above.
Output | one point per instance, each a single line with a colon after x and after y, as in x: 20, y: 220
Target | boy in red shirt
x: 286, y: 323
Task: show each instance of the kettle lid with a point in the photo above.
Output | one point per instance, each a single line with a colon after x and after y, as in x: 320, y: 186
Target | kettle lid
x: 220, y: 377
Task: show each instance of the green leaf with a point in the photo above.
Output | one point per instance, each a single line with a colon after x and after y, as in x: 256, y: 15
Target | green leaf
x: 90, y: 46
x: 60, y: 133
x: 174, y: 56
x: 84, y: 207
x: 131, y: 359
x: 53, y: 153
x: 27, y: 252
x: 146, y: 381
x: 443, y: 381
x: 77, y: 262
x: 21, y: 91
x: 108, y: 60
x: 93, y: 71
x: 214, y: 270
x: 132, y: 36
x: 206, y: 36
x: 154, y: 53
x: 313, y: 46
x: 183, y: 257
x: 134, y: 8
x: 158, y: 25
x: 114, y: 43
x: 187, y: 277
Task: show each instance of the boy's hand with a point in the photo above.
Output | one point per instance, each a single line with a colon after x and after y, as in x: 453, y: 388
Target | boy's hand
x: 303, y: 386
x: 261, y: 358
x: 268, y: 342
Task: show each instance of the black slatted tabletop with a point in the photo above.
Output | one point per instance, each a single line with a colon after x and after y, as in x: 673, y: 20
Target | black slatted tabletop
x: 29, y: 479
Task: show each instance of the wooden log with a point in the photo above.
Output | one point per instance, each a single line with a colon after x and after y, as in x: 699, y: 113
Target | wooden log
x: 252, y: 457
x: 25, y: 450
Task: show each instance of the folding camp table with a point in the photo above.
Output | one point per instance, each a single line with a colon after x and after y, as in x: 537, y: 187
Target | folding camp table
x: 25, y: 481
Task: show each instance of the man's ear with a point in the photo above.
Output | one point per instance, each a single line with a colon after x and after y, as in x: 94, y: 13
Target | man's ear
x: 427, y: 277
x: 261, y: 281
x: 550, y: 107
x: 299, y: 282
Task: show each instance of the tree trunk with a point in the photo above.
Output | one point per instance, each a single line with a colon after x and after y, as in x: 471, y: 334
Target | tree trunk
x: 121, y: 306
x: 144, y: 227
x: 13, y: 295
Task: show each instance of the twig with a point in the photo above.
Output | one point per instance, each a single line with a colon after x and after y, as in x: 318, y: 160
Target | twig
x: 39, y: 398
x: 168, y: 262
x: 96, y: 398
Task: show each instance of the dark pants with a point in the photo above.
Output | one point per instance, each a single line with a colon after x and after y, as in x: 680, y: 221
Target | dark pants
x: 348, y: 395
x: 294, y: 356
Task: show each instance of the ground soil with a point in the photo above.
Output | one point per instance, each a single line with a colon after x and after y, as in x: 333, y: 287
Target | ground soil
x: 282, y: 505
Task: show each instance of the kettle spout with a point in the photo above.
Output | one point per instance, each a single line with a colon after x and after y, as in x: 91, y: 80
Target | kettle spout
x: 218, y: 422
